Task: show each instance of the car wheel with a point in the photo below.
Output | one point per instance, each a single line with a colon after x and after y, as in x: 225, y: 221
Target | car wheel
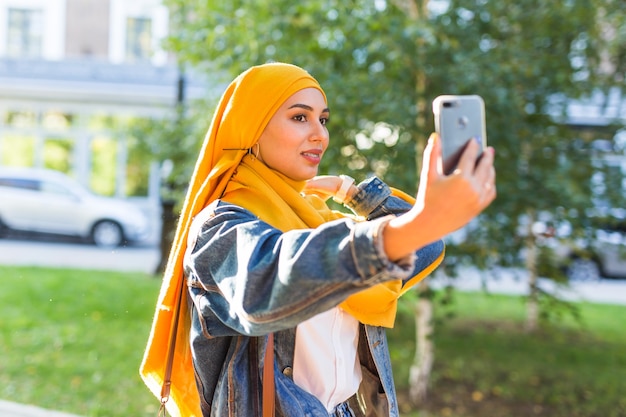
x: 107, y: 234
x: 581, y: 269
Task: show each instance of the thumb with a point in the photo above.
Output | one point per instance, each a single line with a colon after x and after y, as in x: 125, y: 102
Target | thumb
x: 431, y: 161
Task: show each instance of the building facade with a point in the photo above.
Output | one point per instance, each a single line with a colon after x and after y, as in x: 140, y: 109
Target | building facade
x: 71, y: 73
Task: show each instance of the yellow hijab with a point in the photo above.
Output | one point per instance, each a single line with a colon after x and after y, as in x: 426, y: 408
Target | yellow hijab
x: 224, y: 170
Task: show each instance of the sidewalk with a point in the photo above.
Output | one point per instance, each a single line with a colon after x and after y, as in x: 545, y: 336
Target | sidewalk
x: 515, y: 282
x: 9, y: 409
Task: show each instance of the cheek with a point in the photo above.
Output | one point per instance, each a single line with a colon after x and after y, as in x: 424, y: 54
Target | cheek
x: 268, y: 141
x: 274, y: 144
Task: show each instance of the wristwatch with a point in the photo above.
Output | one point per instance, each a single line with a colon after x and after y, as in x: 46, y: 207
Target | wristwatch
x: 342, y: 193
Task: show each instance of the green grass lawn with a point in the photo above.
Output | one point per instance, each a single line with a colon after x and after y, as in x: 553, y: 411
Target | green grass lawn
x: 72, y: 340
x: 487, y: 365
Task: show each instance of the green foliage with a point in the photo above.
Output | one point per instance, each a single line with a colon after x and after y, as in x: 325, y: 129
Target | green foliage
x: 526, y: 59
x: 363, y: 56
x: 138, y: 168
x: 57, y: 154
x: 382, y: 62
x: 17, y: 150
x: 175, y: 139
x: 104, y: 162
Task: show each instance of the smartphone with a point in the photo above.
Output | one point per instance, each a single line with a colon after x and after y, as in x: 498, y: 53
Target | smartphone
x: 458, y: 119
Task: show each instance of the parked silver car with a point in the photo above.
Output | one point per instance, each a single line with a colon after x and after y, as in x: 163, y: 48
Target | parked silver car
x: 604, y: 255
x: 48, y: 201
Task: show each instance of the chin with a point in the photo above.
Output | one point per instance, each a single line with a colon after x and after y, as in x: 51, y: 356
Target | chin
x: 310, y: 175
x: 303, y: 175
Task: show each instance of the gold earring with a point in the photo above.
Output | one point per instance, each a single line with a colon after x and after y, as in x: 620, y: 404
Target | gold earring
x: 258, y: 150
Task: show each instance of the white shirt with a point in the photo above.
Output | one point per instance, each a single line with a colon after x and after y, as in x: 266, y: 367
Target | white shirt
x: 325, y: 358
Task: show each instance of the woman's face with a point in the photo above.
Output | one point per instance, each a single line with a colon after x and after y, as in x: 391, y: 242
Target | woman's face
x: 296, y: 137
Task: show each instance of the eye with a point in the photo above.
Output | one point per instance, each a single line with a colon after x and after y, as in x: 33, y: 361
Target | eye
x: 324, y: 120
x: 299, y: 118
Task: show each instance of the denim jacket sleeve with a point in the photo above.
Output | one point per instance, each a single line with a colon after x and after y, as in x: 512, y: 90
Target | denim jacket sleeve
x: 373, y: 200
x: 247, y: 277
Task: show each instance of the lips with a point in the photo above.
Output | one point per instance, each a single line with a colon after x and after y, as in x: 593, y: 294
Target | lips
x: 313, y: 155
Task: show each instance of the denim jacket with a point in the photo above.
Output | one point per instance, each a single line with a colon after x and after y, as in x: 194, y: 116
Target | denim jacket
x: 247, y: 279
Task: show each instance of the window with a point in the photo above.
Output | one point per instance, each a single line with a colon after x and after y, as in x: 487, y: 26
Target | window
x: 24, y: 184
x: 136, y: 29
x: 56, y: 188
x: 58, y: 153
x: 21, y: 119
x: 138, y: 39
x: 24, y: 33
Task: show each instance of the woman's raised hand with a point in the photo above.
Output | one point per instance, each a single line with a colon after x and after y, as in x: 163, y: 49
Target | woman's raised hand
x: 326, y: 186
x: 445, y: 203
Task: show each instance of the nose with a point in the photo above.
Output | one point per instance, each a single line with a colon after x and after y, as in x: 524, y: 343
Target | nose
x: 320, y: 134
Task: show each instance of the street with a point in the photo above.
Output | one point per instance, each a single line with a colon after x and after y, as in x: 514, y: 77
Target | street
x: 515, y: 282
x: 60, y: 253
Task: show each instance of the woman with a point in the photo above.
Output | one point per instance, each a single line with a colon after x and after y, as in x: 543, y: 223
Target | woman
x: 274, y: 276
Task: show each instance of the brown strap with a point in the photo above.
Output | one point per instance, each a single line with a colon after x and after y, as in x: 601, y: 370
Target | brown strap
x: 268, y: 378
x: 269, y: 392
x: 167, y: 377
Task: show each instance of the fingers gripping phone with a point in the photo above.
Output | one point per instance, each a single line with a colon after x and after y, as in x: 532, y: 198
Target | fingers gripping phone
x: 458, y: 119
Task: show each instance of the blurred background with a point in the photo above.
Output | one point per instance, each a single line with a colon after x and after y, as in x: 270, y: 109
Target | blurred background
x: 104, y: 104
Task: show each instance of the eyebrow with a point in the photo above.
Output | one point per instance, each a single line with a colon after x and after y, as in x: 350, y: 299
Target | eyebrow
x: 307, y: 107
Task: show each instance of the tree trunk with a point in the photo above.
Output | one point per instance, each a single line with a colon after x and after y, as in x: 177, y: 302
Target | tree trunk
x: 168, y: 228
x: 532, y: 305
x: 419, y: 375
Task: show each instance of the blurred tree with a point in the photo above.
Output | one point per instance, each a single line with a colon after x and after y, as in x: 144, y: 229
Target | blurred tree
x: 381, y: 62
x: 360, y: 51
x: 174, y: 142
x: 528, y: 60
